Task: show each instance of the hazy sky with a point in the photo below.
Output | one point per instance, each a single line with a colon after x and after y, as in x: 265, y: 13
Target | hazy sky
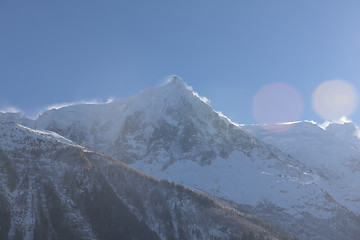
x: 67, y: 51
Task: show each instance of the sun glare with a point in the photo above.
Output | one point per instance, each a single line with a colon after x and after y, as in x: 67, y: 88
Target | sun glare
x: 334, y: 99
x: 276, y: 103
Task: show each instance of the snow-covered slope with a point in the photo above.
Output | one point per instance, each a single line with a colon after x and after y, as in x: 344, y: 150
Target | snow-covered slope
x: 171, y: 132
x: 51, y: 188
x: 332, y: 153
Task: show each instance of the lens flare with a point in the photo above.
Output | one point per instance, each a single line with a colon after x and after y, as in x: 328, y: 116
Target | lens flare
x: 276, y: 103
x: 334, y: 99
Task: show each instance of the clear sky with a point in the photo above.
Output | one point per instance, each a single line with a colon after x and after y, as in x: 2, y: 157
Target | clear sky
x: 67, y: 51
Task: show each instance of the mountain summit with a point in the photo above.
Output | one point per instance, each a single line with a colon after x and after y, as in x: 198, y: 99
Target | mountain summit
x: 176, y: 81
x: 162, y: 124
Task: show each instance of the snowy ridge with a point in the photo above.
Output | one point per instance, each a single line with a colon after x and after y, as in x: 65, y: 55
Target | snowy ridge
x: 19, y: 133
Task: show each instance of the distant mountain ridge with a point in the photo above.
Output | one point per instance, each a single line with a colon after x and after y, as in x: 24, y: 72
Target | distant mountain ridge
x: 332, y: 153
x: 171, y: 132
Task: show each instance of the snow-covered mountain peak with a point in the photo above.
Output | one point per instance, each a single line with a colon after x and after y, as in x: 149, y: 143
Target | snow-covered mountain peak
x: 168, y: 121
x: 347, y: 132
x: 176, y: 80
x: 172, y: 91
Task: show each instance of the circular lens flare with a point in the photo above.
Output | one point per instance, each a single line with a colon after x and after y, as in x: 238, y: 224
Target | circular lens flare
x: 334, y: 99
x: 277, y: 103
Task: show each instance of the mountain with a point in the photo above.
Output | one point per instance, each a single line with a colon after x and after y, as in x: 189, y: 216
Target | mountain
x: 171, y: 132
x: 53, y: 188
x: 332, y: 153
x: 348, y: 132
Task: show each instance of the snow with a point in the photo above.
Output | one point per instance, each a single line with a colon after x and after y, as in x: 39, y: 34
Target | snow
x: 332, y: 153
x: 243, y: 180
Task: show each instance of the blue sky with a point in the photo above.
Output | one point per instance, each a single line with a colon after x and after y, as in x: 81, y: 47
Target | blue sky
x: 68, y: 51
